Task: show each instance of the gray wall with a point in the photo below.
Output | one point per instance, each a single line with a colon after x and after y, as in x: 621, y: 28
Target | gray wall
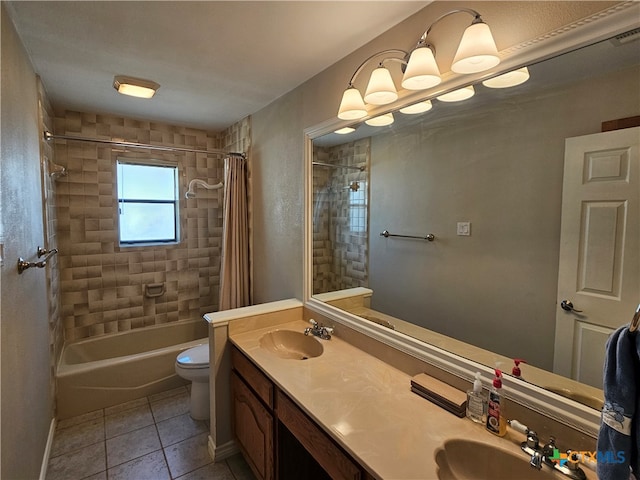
x: 26, y: 405
x: 500, y: 168
x: 277, y: 142
x: 278, y: 199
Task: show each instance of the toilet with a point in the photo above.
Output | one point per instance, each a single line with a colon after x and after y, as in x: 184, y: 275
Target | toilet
x: 193, y: 365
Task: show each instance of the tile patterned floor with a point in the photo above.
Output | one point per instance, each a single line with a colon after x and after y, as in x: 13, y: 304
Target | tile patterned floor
x: 152, y: 438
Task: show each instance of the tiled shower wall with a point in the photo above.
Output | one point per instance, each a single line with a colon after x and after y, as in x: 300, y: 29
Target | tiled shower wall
x: 340, y: 251
x: 103, y: 284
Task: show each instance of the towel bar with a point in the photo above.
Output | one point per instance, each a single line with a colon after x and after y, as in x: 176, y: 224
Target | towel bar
x: 429, y: 237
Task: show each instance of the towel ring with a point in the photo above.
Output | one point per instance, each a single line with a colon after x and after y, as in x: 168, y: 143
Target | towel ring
x: 635, y: 322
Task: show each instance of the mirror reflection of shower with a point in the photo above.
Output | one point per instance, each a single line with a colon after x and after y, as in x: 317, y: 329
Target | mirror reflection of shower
x: 354, y: 186
x: 340, y: 216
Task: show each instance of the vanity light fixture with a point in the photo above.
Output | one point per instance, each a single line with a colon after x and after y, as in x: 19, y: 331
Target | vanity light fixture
x: 381, y: 120
x: 135, y: 87
x: 345, y: 130
x: 458, y: 95
x: 509, y: 79
x: 419, y: 107
x: 380, y: 89
x: 476, y: 52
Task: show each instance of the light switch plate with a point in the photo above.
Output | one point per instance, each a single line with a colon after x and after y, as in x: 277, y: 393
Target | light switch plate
x: 464, y: 229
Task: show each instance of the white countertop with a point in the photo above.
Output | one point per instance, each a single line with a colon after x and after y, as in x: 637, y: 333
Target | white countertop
x: 368, y: 408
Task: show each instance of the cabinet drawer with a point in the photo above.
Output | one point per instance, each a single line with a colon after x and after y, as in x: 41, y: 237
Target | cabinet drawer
x: 328, y: 455
x: 253, y: 427
x: 254, y: 377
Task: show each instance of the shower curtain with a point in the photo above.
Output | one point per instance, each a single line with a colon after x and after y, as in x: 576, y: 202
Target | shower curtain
x: 235, y: 288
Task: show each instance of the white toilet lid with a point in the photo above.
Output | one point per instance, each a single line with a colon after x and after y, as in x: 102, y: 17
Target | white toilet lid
x: 194, y: 357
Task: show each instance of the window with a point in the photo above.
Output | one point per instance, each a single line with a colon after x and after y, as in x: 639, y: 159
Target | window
x: 358, y: 208
x: 147, y: 203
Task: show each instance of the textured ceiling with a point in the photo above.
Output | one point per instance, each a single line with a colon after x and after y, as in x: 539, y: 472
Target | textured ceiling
x: 216, y: 62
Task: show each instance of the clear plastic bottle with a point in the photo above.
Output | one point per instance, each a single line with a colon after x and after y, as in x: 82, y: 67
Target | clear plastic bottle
x: 477, y: 402
x: 496, y: 415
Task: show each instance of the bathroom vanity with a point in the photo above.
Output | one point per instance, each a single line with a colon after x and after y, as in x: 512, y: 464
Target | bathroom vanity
x: 347, y: 414
x: 264, y: 416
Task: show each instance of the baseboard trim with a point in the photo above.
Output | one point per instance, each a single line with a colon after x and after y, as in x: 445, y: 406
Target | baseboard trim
x: 47, y: 449
x: 218, y: 453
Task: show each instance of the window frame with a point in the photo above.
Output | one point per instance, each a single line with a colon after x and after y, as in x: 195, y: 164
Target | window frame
x: 356, y: 206
x: 149, y: 162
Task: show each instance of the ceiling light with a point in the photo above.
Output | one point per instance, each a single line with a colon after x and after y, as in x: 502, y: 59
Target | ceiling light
x: 135, y: 87
x: 419, y: 107
x: 381, y: 120
x: 458, y: 95
x: 345, y: 130
x: 509, y: 79
x: 380, y: 89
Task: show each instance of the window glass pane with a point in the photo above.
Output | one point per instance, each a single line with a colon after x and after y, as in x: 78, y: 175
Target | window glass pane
x: 358, y: 208
x: 148, y: 182
x: 147, y: 222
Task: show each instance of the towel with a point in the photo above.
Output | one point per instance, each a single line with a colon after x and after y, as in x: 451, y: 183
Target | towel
x: 619, y: 436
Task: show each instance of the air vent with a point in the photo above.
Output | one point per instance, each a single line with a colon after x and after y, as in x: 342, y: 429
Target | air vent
x: 626, y: 37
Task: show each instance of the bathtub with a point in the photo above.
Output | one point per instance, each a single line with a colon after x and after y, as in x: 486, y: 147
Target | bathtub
x: 111, y: 369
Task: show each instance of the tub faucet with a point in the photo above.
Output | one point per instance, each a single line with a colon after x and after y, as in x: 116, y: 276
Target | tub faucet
x: 319, y: 330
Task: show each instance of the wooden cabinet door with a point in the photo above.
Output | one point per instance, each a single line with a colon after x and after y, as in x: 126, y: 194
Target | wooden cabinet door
x: 253, y: 427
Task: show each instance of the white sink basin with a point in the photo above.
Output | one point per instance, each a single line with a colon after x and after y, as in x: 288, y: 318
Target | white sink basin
x: 459, y: 459
x: 291, y: 345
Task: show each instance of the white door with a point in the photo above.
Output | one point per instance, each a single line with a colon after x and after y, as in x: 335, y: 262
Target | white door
x: 599, y: 271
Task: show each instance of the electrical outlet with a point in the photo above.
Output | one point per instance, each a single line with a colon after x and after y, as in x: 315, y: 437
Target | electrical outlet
x: 464, y: 229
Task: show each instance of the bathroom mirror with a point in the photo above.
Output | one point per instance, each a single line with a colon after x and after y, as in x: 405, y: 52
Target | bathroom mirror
x: 485, y: 178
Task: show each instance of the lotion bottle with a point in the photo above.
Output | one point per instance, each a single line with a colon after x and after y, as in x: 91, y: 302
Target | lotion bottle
x: 476, y: 402
x: 496, y: 415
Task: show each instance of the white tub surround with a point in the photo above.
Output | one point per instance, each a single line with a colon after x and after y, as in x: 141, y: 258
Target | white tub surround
x: 111, y: 369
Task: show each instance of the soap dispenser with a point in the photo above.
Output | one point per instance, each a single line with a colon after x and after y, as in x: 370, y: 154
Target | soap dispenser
x: 515, y: 371
x: 476, y: 402
x: 496, y: 415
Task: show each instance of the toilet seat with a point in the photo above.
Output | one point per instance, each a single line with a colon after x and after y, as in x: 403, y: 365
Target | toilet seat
x: 195, y: 357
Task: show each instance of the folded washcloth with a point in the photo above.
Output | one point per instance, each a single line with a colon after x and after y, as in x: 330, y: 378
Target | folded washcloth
x: 619, y: 436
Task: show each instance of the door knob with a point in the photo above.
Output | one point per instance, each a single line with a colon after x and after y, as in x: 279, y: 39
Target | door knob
x: 568, y: 306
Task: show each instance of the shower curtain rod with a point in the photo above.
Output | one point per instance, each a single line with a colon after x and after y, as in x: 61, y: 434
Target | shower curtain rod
x: 337, y: 165
x: 50, y: 136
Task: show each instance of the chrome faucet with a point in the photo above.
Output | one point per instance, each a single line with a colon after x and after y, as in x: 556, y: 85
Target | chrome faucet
x: 543, y: 456
x: 319, y: 330
x: 532, y: 447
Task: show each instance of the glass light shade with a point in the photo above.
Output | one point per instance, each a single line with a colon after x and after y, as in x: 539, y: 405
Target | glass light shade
x: 477, y: 51
x: 135, y: 87
x: 380, y: 89
x: 352, y: 106
x: 422, y: 70
x: 419, y: 107
x: 509, y: 79
x: 345, y: 130
x: 458, y: 95
x: 381, y: 120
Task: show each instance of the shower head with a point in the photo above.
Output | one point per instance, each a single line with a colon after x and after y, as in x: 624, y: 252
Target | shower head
x: 191, y: 193
x: 56, y: 171
x: 353, y: 186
